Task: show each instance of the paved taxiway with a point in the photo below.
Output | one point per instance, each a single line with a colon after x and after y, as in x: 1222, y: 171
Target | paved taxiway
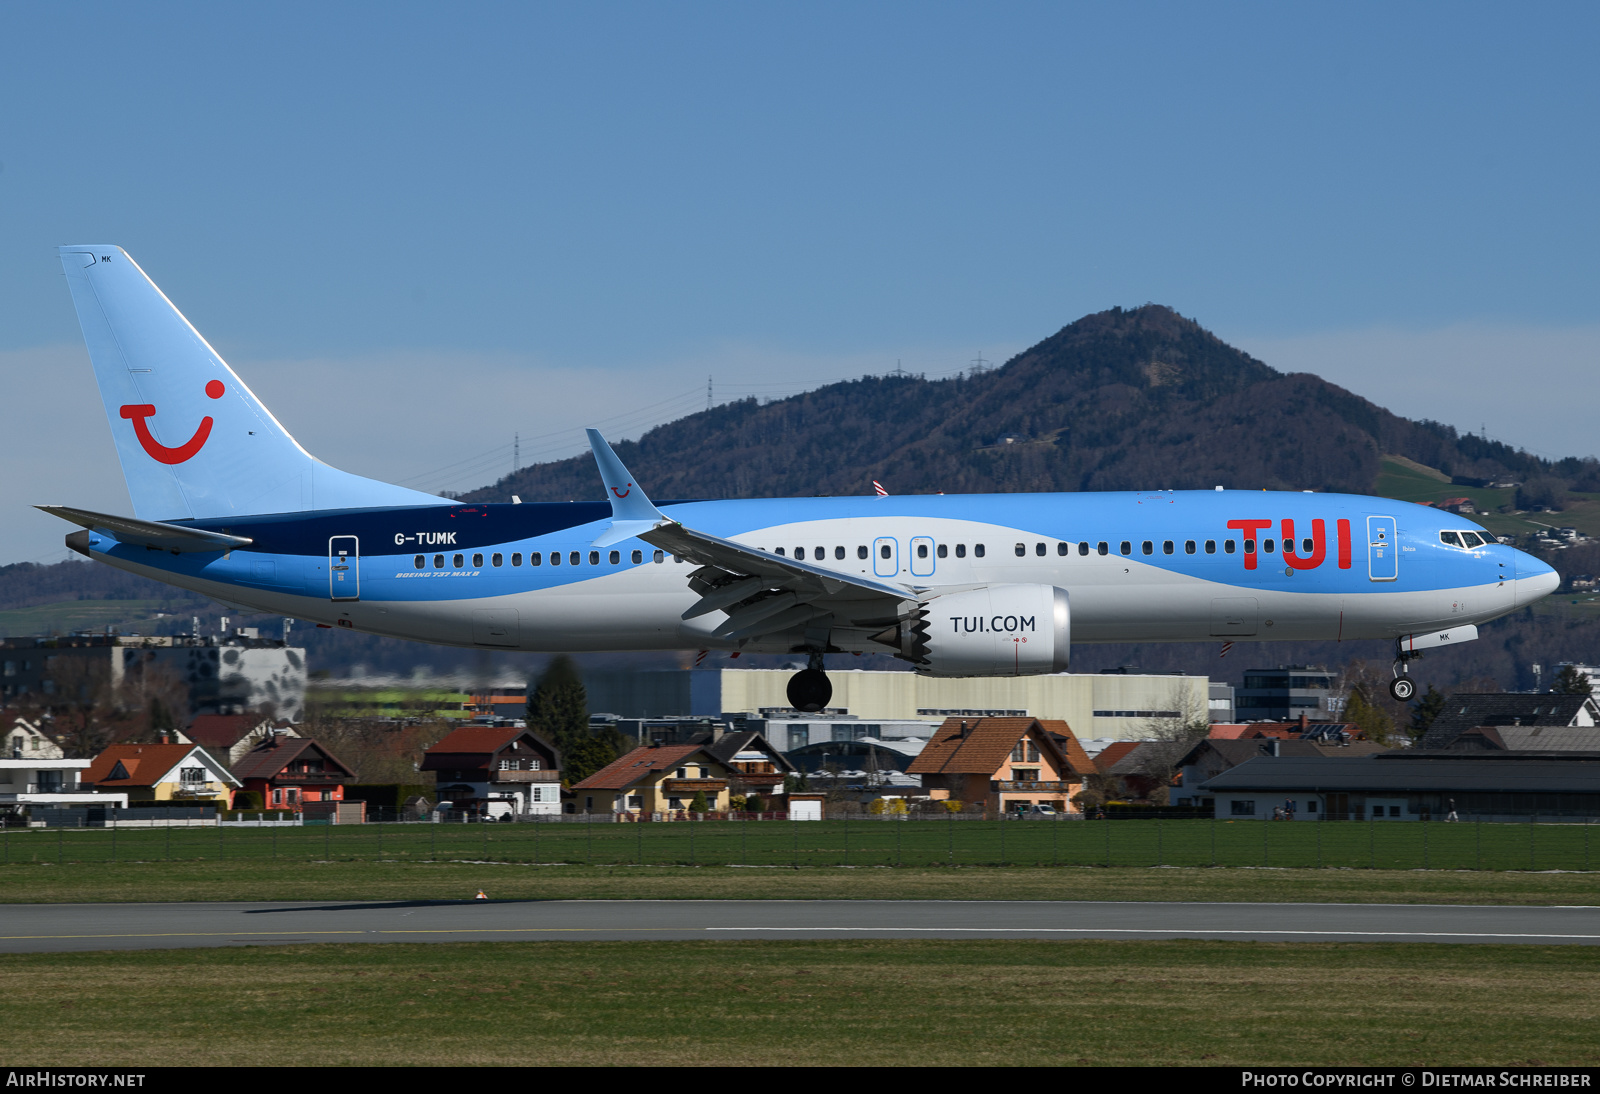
x: 43, y: 928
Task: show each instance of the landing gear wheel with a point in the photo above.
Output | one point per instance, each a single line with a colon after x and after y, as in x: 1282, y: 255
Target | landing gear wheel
x: 1402, y: 689
x: 810, y: 690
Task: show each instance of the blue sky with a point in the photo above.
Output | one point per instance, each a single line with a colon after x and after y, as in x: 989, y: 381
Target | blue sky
x: 416, y: 230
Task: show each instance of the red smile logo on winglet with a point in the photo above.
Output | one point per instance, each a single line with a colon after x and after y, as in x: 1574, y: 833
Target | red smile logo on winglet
x: 137, y: 413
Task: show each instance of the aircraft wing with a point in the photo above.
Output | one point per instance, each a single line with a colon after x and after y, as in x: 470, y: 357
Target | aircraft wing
x: 761, y: 593
x: 148, y: 533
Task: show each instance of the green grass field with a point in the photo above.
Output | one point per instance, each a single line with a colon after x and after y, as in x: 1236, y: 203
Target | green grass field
x: 954, y: 1004
x: 867, y: 841
x: 353, y: 879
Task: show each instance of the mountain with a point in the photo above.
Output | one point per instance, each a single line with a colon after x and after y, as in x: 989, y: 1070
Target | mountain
x: 1121, y: 400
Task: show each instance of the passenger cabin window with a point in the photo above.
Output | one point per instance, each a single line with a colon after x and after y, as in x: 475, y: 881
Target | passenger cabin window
x: 574, y: 557
x: 822, y: 553
x: 1249, y: 546
x: 1306, y: 546
x: 458, y: 562
x: 1063, y: 548
x: 419, y: 562
x: 1083, y: 548
x: 637, y: 556
x: 477, y: 562
x: 1103, y: 547
x: 438, y: 562
x: 1127, y: 547
x: 838, y: 553
x: 944, y: 550
x: 977, y: 550
x: 1188, y: 546
x: 1227, y: 546
x: 884, y: 552
x: 516, y: 558
x: 861, y: 551
x: 1021, y: 549
x: 661, y: 556
x: 555, y: 558
x: 616, y: 557
x: 1211, y: 546
x: 498, y: 559
x: 1147, y: 547
x: 1166, y: 547
x: 778, y: 551
x: 922, y: 550
x: 799, y: 553
x: 1267, y: 545
x: 1038, y: 548
x: 961, y: 550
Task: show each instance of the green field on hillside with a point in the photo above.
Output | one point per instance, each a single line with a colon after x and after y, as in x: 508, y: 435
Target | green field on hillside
x: 67, y: 616
x: 764, y: 1004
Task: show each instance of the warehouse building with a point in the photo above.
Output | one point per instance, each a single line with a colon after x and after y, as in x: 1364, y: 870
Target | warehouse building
x: 1407, y: 786
x: 1123, y: 706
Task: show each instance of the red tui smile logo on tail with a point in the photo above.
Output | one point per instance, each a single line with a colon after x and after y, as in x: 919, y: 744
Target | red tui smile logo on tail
x: 137, y: 413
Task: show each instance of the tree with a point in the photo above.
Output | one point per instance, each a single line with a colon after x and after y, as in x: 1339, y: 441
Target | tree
x: 1372, y: 719
x: 559, y: 707
x: 558, y: 710
x: 1424, y: 711
x: 1570, y: 681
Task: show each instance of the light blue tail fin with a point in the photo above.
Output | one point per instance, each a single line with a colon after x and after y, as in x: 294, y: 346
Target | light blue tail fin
x: 193, y: 439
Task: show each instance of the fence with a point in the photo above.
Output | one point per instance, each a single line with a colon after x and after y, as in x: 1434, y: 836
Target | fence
x: 1543, y: 843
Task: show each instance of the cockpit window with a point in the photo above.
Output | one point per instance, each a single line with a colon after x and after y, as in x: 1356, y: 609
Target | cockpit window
x: 1451, y: 539
x: 1474, y: 539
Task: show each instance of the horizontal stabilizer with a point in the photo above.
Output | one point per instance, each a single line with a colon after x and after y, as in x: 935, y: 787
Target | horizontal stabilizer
x: 148, y: 533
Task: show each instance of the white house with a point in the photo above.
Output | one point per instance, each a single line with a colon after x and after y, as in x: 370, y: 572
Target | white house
x: 51, y: 782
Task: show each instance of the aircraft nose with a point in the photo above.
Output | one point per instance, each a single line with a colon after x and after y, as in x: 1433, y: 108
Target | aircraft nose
x: 1534, y: 580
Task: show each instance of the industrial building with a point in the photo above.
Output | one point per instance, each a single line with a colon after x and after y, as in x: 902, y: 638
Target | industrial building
x: 1123, y: 706
x: 1283, y: 694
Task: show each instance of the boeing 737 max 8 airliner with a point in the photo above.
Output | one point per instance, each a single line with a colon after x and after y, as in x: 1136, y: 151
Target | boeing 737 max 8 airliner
x: 227, y: 504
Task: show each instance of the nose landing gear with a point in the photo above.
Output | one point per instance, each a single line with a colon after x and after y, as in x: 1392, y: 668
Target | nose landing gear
x: 810, y: 689
x: 1402, y: 687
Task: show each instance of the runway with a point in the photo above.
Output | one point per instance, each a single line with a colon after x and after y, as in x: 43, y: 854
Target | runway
x: 49, y: 928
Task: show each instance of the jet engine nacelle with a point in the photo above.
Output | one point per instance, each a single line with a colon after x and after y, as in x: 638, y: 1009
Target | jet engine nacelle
x: 1004, y: 630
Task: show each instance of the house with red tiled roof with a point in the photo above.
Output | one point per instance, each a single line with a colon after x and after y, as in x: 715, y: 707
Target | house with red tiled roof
x: 288, y: 772
x: 165, y: 773
x: 655, y: 780
x: 229, y: 736
x: 493, y: 771
x: 1004, y: 763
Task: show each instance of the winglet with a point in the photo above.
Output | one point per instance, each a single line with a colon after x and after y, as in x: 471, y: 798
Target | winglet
x: 631, y: 511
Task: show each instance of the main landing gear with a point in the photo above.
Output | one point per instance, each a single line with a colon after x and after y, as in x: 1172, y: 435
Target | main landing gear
x: 810, y: 689
x: 1402, y: 687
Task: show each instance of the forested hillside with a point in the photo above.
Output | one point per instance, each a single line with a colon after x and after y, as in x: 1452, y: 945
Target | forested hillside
x: 1120, y: 400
